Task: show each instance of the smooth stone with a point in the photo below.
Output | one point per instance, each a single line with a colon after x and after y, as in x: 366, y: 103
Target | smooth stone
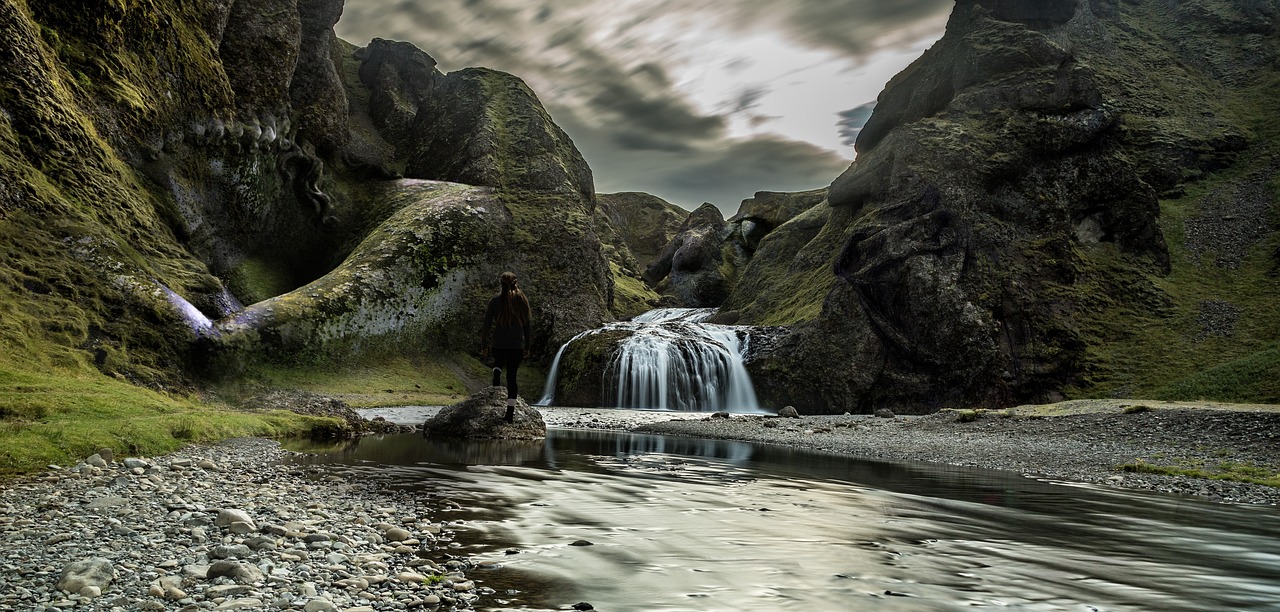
x: 91, y: 591
x: 243, y: 573
x: 242, y: 528
x: 411, y: 577
x: 397, y: 534
x: 134, y: 463
x: 96, y: 571
x: 107, y: 454
x: 226, y: 590
x: 236, y: 551
x: 319, y: 605
x: 96, y: 460
x: 247, y: 603
x: 229, y: 516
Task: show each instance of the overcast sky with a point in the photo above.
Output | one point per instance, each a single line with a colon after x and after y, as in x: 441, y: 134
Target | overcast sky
x: 691, y: 101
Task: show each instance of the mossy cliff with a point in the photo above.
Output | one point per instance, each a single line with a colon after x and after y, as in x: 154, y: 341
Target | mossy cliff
x: 164, y: 162
x: 1058, y: 198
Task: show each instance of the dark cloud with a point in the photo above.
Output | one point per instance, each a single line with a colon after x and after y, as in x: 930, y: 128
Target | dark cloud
x: 612, y: 84
x: 657, y: 119
x: 724, y: 175
x: 856, y: 27
x: 852, y: 120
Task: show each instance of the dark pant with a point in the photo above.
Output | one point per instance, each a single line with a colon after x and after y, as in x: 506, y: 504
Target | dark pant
x: 509, y: 360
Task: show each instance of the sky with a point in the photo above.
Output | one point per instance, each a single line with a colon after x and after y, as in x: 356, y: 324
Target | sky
x: 690, y: 101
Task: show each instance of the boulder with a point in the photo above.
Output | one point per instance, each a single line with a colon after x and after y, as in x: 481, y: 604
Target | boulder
x: 689, y: 267
x: 482, y: 416
x: 230, y: 517
x: 243, y: 573
x: 94, y: 572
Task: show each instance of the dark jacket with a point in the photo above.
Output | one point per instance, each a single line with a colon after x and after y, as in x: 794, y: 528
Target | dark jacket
x: 513, y: 337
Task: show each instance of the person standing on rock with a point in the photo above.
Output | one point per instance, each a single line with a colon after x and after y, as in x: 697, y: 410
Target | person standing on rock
x: 509, y: 310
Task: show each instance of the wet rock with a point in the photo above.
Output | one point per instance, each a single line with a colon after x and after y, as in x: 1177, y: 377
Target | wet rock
x: 482, y: 416
x: 789, y: 412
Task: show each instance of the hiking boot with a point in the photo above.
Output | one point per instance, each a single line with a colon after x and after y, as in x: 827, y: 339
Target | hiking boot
x: 511, y: 414
x: 497, y: 377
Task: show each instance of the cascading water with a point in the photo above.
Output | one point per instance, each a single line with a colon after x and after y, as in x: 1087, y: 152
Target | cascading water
x: 671, y: 360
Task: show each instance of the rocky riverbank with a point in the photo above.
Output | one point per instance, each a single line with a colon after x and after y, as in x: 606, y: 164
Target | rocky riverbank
x: 1133, y: 445
x: 221, y: 527
x: 1119, y: 443
x: 229, y: 527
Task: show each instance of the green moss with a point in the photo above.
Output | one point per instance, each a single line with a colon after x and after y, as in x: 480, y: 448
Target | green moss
x: 61, y: 416
x: 1233, y: 471
x: 800, y: 297
x: 1153, y: 343
x: 257, y: 279
x: 1254, y: 378
x: 386, y: 381
x: 631, y: 296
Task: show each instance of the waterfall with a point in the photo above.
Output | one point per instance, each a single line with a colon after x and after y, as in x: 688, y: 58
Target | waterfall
x: 671, y: 360
x: 196, y: 320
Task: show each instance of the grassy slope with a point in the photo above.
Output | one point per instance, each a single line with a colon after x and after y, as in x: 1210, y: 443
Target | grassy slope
x: 84, y: 363
x: 1166, y: 355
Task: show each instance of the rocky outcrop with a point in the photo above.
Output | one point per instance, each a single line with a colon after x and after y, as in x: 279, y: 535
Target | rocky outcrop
x: 236, y: 155
x: 1004, y: 202
x: 634, y: 228
x: 316, y: 94
x: 688, y: 267
x: 482, y: 416
x: 639, y: 223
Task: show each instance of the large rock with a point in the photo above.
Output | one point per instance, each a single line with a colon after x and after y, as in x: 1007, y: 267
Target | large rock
x: 484, y: 127
x: 688, y: 267
x: 1002, y: 208
x: 259, y: 51
x: 315, y: 90
x: 94, y: 572
x: 633, y: 228
x: 482, y: 416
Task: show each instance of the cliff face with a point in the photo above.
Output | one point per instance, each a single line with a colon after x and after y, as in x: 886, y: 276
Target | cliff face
x: 164, y: 162
x: 1002, y: 238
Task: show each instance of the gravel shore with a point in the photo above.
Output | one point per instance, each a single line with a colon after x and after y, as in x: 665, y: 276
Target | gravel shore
x: 228, y: 527
x: 1079, y: 441
x: 221, y: 527
x: 1092, y: 447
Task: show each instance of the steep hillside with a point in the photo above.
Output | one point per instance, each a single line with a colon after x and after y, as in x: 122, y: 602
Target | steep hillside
x: 210, y: 189
x: 1059, y: 198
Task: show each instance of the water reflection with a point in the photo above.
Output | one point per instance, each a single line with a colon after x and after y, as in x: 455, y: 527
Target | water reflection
x: 688, y: 524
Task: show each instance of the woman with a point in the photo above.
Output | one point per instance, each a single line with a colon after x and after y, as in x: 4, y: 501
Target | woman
x: 510, y: 311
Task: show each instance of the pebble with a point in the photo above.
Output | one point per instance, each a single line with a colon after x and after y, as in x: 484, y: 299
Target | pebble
x: 233, y: 531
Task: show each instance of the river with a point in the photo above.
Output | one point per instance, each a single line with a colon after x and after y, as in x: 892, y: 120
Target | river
x: 688, y: 524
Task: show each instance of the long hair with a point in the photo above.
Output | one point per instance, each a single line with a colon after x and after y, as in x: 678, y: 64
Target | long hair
x: 513, y: 306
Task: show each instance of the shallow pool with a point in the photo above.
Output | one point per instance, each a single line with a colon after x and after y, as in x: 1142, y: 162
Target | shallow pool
x: 688, y: 524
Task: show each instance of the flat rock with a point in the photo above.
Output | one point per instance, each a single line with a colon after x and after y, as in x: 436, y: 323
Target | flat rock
x: 482, y: 416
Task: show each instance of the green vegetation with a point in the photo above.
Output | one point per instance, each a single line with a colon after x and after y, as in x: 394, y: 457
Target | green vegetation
x: 1254, y: 378
x: 631, y: 296
x: 257, y: 279
x: 63, y: 416
x: 1230, y: 470
x: 385, y: 381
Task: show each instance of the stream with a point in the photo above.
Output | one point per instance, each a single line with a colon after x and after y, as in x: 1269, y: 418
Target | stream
x: 690, y: 524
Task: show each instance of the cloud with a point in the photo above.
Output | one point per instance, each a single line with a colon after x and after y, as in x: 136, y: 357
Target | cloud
x: 690, y: 101
x: 852, y: 121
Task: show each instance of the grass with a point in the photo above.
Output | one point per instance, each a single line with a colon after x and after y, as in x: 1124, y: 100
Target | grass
x: 62, y: 416
x: 1227, y: 470
x: 386, y: 381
